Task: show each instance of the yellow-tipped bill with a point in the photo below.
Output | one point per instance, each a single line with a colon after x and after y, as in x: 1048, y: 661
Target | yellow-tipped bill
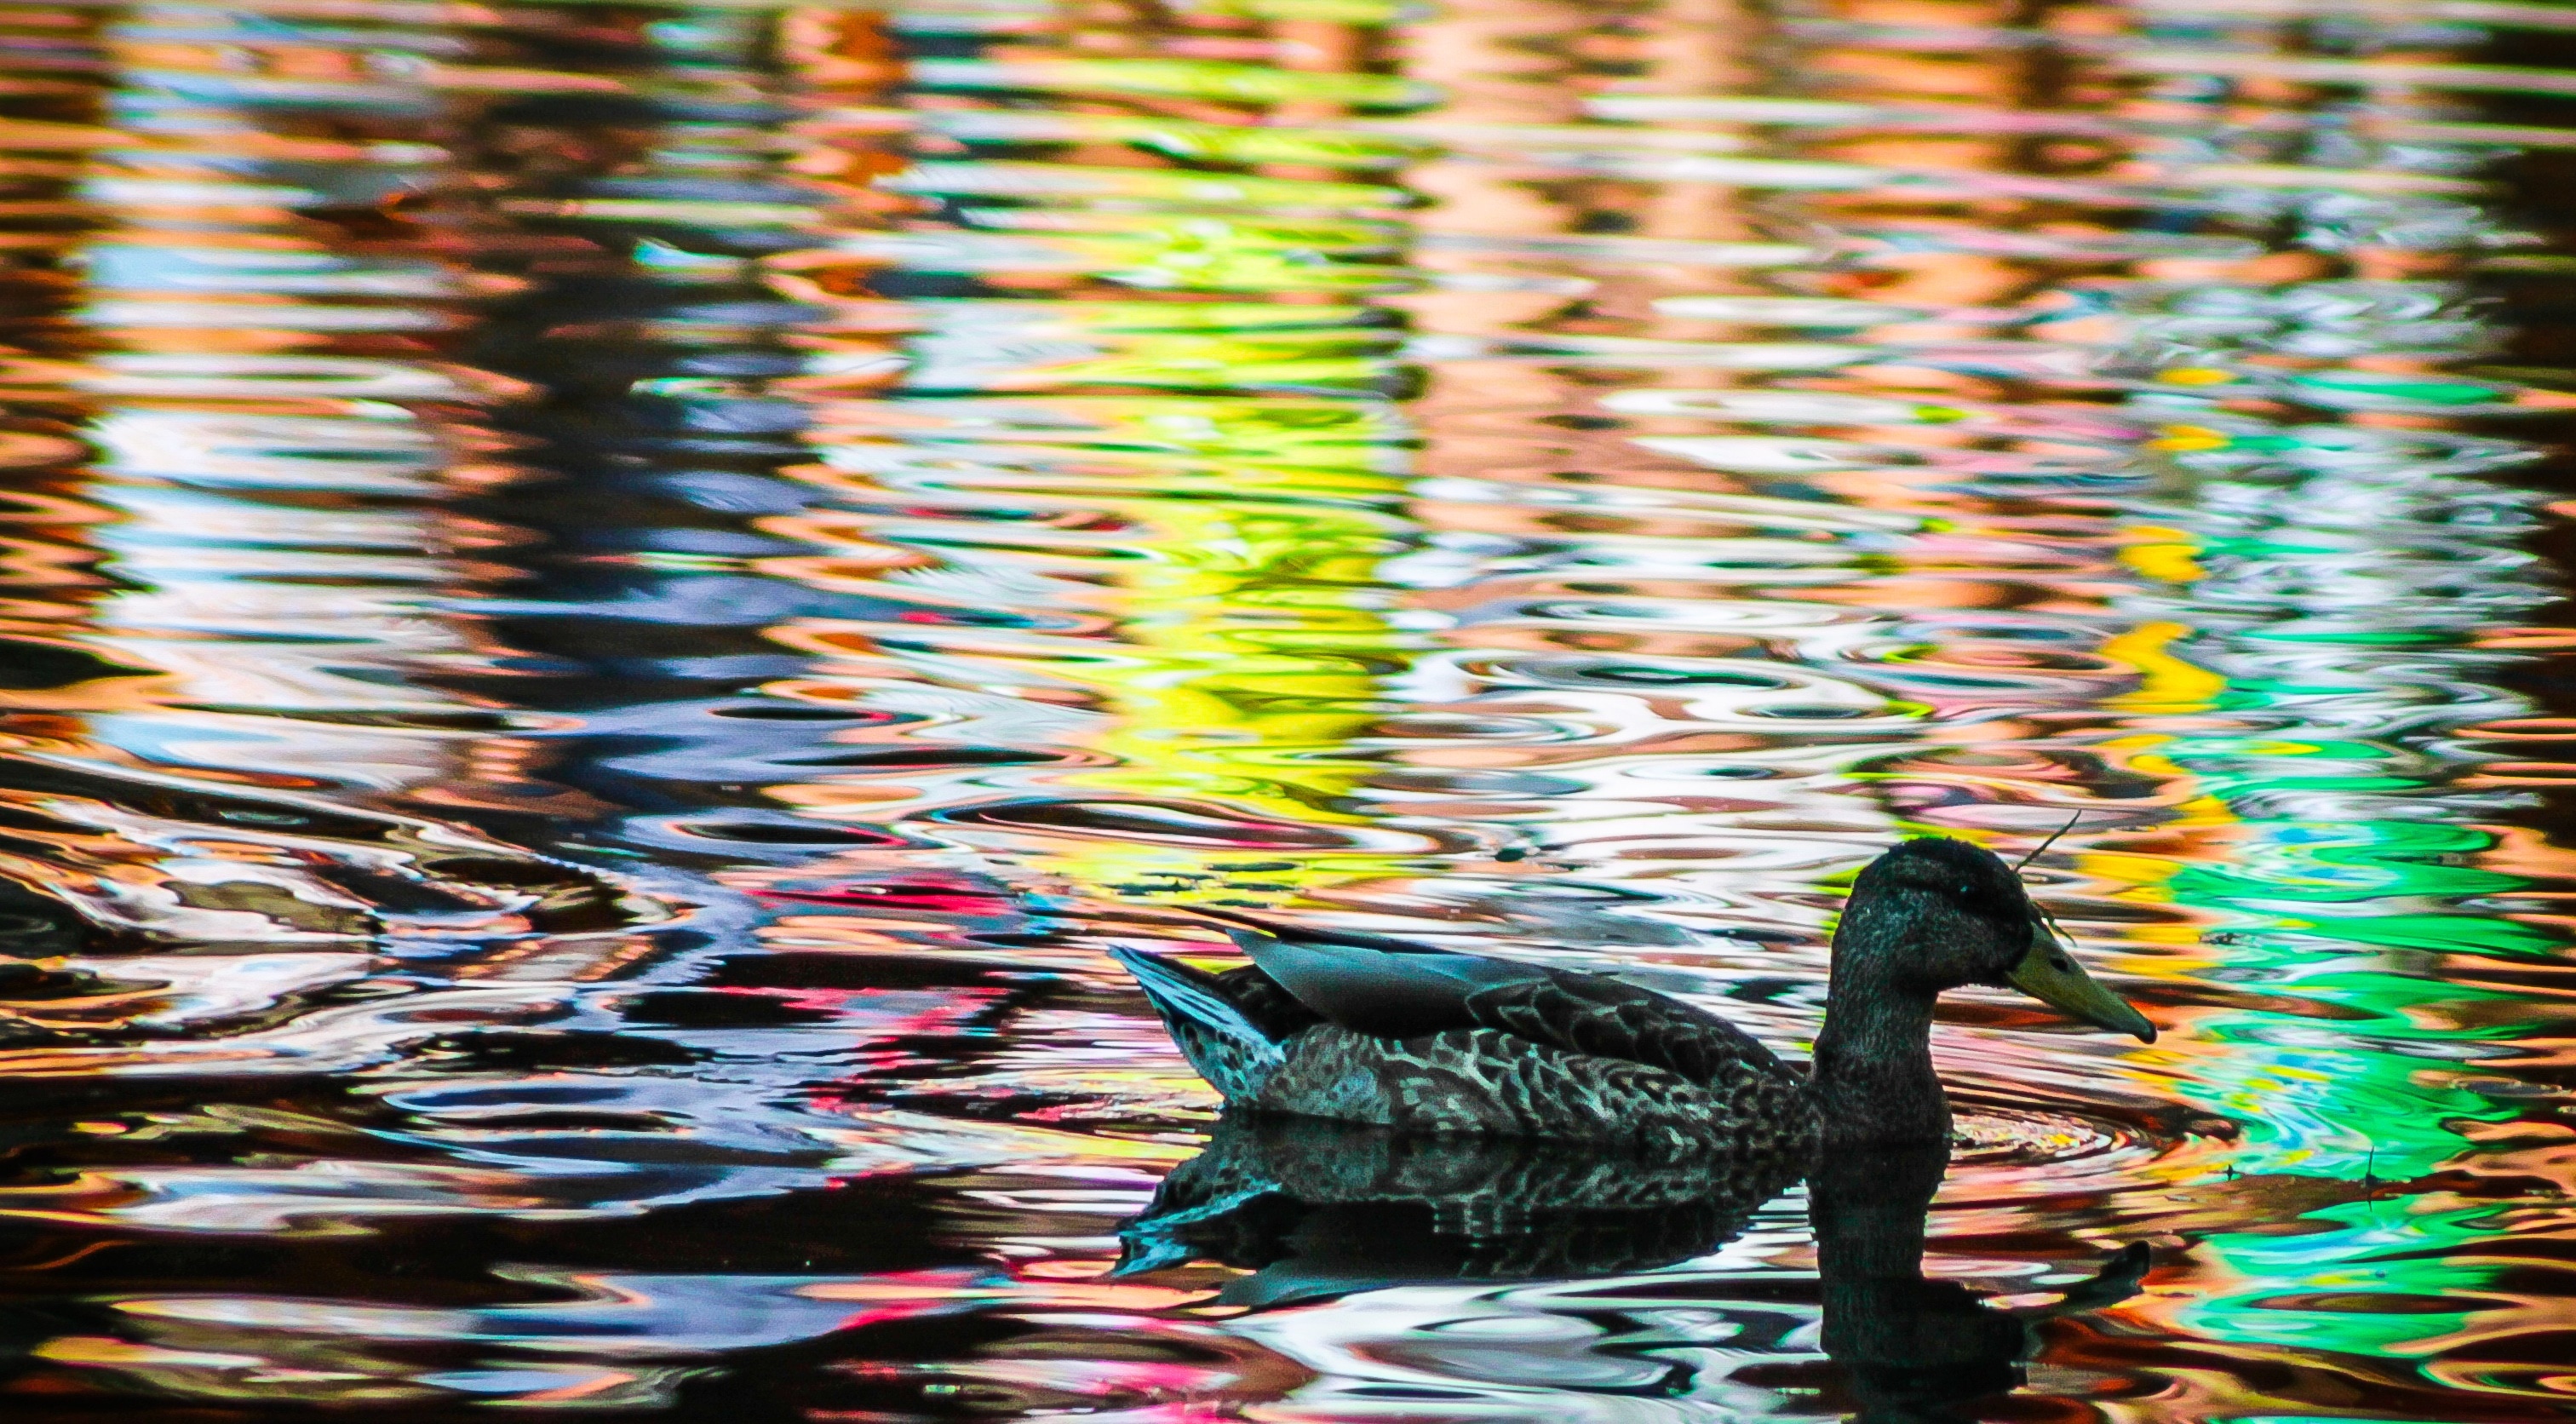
x: 2050, y: 974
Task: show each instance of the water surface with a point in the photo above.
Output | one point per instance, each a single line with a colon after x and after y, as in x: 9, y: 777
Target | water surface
x: 607, y: 609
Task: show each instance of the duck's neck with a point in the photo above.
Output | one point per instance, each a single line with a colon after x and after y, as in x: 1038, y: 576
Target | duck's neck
x: 1873, y: 1080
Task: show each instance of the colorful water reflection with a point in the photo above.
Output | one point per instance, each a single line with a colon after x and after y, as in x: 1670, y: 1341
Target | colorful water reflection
x: 608, y: 607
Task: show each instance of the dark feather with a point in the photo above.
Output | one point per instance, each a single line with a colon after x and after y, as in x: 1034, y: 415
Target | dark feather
x: 1386, y: 988
x: 1261, y: 1001
x: 1606, y: 1018
x: 1243, y: 992
x: 1233, y: 1052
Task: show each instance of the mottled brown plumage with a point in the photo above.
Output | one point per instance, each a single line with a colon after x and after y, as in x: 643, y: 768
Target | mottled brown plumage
x: 1489, y: 1082
x: 1602, y: 1017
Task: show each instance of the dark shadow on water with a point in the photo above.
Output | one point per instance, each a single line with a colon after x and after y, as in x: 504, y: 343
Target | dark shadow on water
x: 1316, y: 1209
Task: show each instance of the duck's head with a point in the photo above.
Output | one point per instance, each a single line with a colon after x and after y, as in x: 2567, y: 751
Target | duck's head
x: 1936, y: 914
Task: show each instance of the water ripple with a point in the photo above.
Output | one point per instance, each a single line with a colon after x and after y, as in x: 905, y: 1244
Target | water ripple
x: 604, y: 611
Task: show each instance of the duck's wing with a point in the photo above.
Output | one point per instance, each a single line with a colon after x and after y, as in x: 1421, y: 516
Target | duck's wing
x: 1390, y: 988
x: 1386, y: 988
x: 1610, y: 1018
x: 1261, y: 1000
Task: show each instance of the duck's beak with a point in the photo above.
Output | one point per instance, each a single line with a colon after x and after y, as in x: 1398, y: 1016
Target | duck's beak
x: 2050, y: 974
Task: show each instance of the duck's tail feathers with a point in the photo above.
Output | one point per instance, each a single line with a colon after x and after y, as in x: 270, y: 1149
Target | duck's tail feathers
x: 1235, y: 1057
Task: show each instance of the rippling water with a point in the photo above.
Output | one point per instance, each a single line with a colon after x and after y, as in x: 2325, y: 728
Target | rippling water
x: 608, y: 607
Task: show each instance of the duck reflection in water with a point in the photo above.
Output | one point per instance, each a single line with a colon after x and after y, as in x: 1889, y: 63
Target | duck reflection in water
x: 1558, y: 1123
x: 1316, y: 1210
x: 1908, y: 1345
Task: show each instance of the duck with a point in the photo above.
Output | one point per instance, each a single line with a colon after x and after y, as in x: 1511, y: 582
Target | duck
x: 1363, y: 1029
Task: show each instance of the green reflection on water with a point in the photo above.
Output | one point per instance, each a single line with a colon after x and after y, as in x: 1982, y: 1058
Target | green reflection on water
x: 2345, y: 916
x: 2373, y: 1277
